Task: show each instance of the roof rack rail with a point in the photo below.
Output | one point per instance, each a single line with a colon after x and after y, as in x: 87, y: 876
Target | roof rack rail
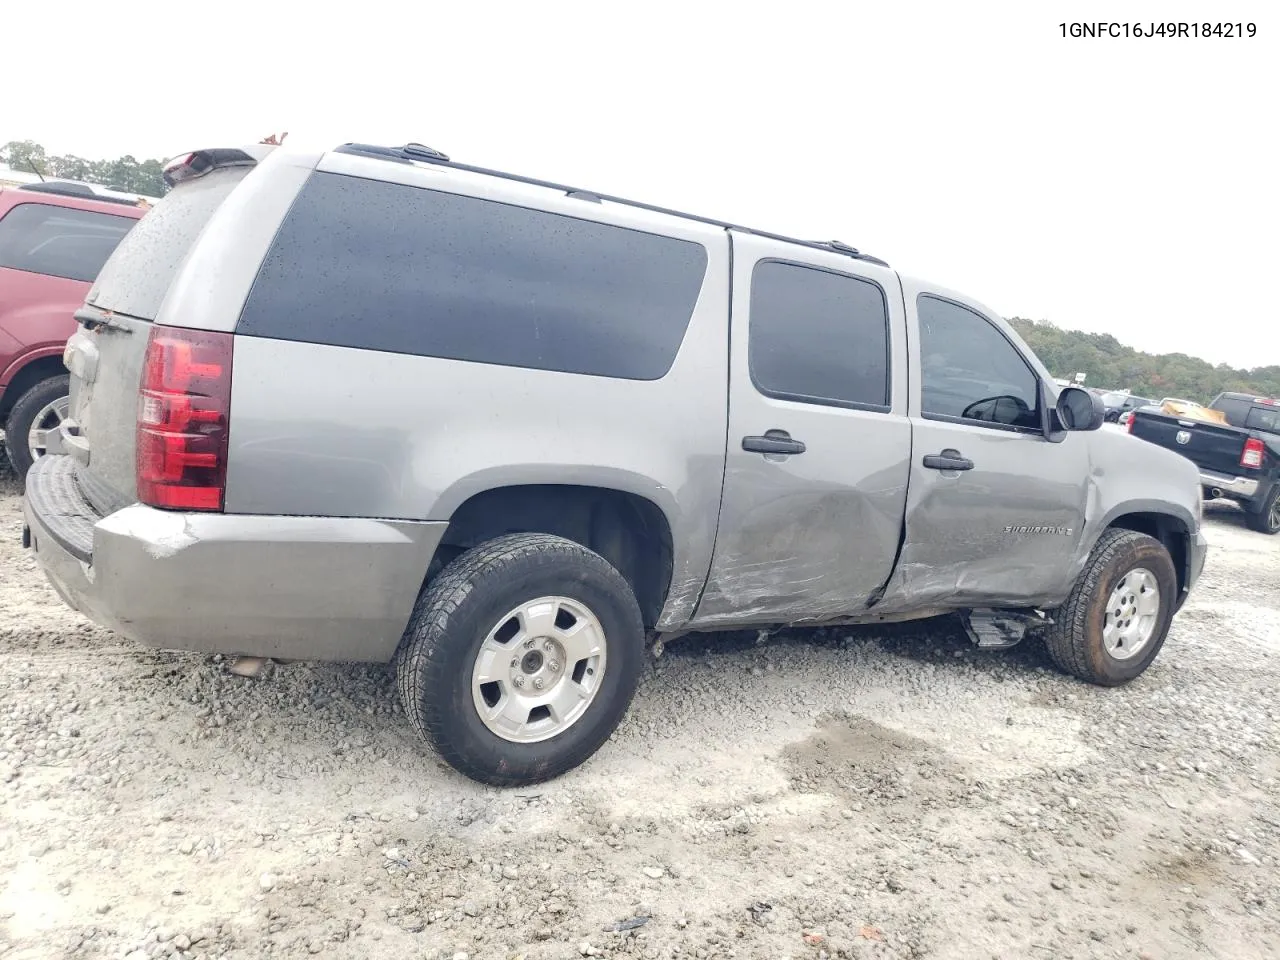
x: 411, y: 152
x: 70, y: 188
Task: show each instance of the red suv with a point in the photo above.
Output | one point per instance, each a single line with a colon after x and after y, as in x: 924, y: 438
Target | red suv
x: 54, y: 239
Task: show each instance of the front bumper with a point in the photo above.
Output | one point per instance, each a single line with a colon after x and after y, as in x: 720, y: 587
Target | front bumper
x: 297, y: 588
x: 1197, y: 550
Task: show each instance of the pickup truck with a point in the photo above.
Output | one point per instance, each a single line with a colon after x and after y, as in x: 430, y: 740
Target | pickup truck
x: 372, y: 404
x: 1238, y: 460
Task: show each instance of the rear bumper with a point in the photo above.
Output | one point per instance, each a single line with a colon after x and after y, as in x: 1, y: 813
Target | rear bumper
x: 306, y: 588
x: 1232, y: 486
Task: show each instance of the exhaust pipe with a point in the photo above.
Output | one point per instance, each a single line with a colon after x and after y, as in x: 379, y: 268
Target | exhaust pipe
x: 1215, y: 493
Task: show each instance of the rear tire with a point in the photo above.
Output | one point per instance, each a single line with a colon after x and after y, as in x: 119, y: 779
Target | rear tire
x: 516, y: 611
x: 1267, y: 520
x: 1106, y: 632
x: 35, y: 403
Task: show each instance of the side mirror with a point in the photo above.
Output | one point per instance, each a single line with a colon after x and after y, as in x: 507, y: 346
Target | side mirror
x: 1080, y: 410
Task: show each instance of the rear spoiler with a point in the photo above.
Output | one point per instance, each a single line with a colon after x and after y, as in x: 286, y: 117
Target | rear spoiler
x: 197, y: 163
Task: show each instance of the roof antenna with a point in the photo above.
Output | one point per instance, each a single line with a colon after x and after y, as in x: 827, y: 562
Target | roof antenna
x: 34, y: 169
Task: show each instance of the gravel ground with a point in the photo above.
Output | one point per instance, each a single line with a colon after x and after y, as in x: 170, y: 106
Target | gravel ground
x: 871, y: 793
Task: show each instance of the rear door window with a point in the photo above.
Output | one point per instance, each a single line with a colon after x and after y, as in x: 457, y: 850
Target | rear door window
x: 136, y: 278
x: 1266, y: 419
x: 382, y: 266
x: 818, y: 336
x: 59, y: 241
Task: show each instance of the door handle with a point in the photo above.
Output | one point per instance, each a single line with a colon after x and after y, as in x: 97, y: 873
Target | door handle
x: 774, y: 441
x: 948, y: 460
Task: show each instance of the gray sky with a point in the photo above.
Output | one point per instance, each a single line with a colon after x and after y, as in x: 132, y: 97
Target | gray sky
x: 1118, y: 185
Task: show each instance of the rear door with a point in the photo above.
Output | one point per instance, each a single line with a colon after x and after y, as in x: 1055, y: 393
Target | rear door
x: 105, y: 356
x: 819, y: 443
x: 996, y: 512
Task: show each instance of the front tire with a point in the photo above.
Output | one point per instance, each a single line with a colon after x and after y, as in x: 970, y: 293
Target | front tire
x: 521, y: 658
x: 1118, y: 614
x: 37, y: 411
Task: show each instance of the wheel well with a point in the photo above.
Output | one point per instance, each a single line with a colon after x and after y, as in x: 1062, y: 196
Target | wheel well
x: 629, y: 531
x: 1168, y: 530
x: 26, y: 378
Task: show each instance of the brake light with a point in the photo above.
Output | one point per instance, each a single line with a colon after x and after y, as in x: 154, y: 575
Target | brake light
x: 1128, y: 423
x: 1252, y: 455
x: 188, y: 166
x: 184, y: 408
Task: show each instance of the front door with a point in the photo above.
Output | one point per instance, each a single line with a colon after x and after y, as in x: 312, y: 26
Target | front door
x: 819, y: 442
x: 995, y: 513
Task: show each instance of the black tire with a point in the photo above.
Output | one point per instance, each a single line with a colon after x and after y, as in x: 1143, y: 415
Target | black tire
x: 1075, y: 640
x: 22, y: 415
x: 454, y: 616
x: 1266, y: 520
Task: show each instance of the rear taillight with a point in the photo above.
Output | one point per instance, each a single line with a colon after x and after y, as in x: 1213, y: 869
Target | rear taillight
x: 1128, y: 424
x: 184, y: 408
x: 1252, y: 455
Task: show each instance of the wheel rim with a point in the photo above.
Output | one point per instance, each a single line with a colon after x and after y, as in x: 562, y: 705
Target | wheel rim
x: 539, y: 669
x: 1273, y: 517
x: 47, y: 419
x: 1133, y: 611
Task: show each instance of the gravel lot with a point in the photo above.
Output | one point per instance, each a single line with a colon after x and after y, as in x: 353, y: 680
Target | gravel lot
x: 873, y: 793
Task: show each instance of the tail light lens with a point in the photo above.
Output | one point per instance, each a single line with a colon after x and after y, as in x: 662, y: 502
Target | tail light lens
x: 1252, y: 455
x: 1128, y: 423
x: 184, y: 408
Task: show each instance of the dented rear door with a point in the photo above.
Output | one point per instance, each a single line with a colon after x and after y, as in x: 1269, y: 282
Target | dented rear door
x: 819, y: 441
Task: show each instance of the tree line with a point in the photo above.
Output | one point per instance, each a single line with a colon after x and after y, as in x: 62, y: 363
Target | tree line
x: 126, y: 174
x: 1110, y: 364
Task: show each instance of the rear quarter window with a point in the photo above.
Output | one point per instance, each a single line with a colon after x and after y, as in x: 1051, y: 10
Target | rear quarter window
x: 59, y: 241
x: 381, y: 266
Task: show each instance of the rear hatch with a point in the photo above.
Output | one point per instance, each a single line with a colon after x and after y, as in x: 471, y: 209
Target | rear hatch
x: 105, y: 356
x: 1211, y: 446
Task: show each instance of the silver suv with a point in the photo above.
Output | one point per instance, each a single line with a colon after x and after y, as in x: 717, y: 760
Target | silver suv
x: 375, y: 405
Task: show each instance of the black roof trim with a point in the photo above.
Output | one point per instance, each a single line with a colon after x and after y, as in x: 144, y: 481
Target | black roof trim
x: 416, y: 151
x: 67, y: 188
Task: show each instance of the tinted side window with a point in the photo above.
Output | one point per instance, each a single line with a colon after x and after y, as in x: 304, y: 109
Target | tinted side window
x: 818, y: 337
x: 59, y: 241
x: 1266, y: 419
x: 381, y: 266
x: 969, y: 371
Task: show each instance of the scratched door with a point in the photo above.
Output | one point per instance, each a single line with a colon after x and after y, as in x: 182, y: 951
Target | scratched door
x: 819, y: 441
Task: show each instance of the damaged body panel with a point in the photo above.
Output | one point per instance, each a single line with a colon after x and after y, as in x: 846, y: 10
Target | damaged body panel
x: 752, y: 430
x: 809, y: 535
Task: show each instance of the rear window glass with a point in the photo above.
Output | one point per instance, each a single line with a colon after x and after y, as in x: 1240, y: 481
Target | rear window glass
x: 59, y: 241
x: 136, y: 278
x: 1266, y: 419
x: 381, y: 266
